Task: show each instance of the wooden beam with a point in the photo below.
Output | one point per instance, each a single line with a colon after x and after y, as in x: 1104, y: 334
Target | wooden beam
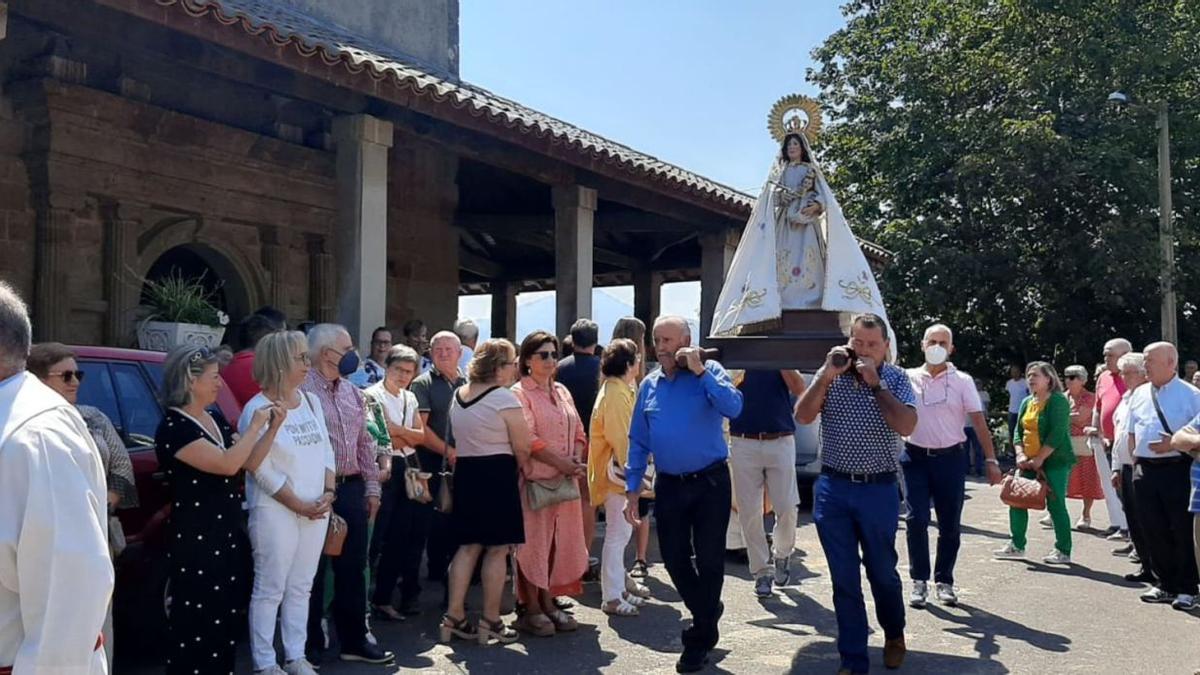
x: 479, y: 265
x: 606, y: 221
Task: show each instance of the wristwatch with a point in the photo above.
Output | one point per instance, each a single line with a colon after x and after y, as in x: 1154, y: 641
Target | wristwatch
x: 881, y: 386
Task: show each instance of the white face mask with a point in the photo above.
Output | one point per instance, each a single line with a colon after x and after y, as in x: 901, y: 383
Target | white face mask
x: 936, y: 355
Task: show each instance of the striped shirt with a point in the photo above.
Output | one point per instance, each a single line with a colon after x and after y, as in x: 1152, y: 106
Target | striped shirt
x: 345, y: 416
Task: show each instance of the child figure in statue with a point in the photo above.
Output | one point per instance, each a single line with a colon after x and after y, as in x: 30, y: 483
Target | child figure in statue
x: 799, y: 243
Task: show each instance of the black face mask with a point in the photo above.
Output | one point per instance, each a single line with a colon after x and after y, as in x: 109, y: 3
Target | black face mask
x: 348, y: 363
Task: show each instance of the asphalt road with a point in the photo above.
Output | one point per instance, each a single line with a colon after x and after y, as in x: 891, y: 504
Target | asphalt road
x: 1013, y: 617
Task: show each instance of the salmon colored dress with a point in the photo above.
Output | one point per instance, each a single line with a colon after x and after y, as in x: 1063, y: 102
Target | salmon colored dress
x: 1085, y: 480
x: 553, y: 556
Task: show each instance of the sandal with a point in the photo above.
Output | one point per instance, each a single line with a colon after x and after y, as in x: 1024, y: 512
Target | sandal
x: 563, y: 602
x: 620, y: 607
x: 633, y: 599
x: 563, y: 622
x: 495, y: 629
x: 640, y: 568
x: 460, y: 628
x: 634, y: 587
x: 538, y: 625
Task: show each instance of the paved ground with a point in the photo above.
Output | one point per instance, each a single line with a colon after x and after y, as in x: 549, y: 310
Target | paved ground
x: 1014, y: 617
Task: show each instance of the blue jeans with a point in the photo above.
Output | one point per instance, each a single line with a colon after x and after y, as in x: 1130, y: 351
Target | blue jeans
x: 974, y: 451
x: 849, y: 516
x: 938, y: 478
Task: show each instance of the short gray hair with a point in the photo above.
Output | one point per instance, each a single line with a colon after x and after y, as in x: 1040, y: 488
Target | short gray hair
x: 466, y: 330
x: 673, y: 318
x: 1135, y: 360
x: 324, y: 335
x: 273, y: 358
x: 402, y: 354
x: 445, y: 335
x: 936, y: 328
x: 1079, y: 370
x: 1118, y: 344
x: 16, y: 332
x: 183, y: 365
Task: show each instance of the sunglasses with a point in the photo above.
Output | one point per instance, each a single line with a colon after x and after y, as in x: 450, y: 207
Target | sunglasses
x: 69, y: 375
x: 547, y: 356
x: 201, y: 354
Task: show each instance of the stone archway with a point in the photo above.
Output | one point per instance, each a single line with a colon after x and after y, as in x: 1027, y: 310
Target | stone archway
x: 216, y: 273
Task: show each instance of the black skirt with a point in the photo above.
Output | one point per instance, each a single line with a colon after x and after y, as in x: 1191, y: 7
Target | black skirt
x: 487, y: 502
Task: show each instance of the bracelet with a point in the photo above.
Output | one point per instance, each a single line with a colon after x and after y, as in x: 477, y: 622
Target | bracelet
x: 992, y: 460
x: 330, y: 491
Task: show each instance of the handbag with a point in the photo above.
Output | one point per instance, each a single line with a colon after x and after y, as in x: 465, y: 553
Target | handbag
x: 335, y: 536
x: 1080, y: 446
x: 616, y: 474
x: 416, y: 481
x: 543, y: 493
x: 1025, y: 493
x: 445, y: 495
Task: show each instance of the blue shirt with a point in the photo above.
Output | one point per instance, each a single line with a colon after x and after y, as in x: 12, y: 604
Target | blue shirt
x: 1180, y: 403
x: 767, y: 405
x: 679, y: 422
x: 855, y: 438
x: 1194, y: 500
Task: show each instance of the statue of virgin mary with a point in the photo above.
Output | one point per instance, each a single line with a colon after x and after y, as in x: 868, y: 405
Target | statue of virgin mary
x: 797, y: 252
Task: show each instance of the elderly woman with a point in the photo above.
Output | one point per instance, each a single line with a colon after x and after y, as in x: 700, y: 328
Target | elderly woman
x: 632, y: 328
x: 606, y: 466
x: 553, y: 559
x: 493, y: 445
x: 202, y: 457
x: 1085, y: 480
x: 1043, y: 443
x: 290, y: 496
x: 403, y: 523
x: 54, y: 364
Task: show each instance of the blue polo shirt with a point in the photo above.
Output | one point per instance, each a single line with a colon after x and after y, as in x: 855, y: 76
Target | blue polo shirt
x: 855, y: 438
x: 767, y: 405
x: 679, y: 421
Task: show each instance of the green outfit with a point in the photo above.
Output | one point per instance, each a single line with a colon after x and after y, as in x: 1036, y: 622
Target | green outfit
x: 1054, y: 431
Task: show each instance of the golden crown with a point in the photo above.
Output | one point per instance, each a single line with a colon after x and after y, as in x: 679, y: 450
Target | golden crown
x: 795, y: 114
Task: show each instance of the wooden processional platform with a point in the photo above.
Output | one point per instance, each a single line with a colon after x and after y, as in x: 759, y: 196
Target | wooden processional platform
x: 801, y: 342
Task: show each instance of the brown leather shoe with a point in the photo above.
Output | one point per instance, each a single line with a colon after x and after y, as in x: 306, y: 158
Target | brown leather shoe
x: 893, y: 653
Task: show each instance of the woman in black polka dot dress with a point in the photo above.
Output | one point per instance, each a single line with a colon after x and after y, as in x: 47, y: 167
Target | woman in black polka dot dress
x: 203, y: 460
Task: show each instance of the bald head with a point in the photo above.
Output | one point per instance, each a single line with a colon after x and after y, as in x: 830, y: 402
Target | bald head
x: 1162, y: 362
x: 670, y: 334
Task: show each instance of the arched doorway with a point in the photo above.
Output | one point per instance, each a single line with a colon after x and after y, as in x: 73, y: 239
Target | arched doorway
x: 227, y: 290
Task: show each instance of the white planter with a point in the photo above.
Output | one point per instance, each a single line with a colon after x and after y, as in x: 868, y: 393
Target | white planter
x: 163, y: 336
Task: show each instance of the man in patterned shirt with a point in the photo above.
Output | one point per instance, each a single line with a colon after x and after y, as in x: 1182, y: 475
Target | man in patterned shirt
x: 866, y: 405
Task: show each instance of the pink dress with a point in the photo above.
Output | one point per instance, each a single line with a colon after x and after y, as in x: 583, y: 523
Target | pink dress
x: 1084, y: 482
x: 553, y: 556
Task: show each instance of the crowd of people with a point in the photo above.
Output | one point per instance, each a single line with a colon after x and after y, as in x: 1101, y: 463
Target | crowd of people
x: 488, y: 461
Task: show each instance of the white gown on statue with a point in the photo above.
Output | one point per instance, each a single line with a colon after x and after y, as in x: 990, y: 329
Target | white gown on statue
x: 818, y: 264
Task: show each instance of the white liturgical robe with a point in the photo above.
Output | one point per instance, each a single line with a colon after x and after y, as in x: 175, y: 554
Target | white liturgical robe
x: 55, y: 573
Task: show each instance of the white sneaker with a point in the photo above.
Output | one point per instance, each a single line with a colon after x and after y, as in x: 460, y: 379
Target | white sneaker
x: 1009, y: 552
x: 1083, y: 524
x: 1184, y: 602
x: 271, y: 670
x: 300, y: 666
x: 1057, y: 557
x: 946, y: 595
x: 920, y: 594
x: 1046, y: 521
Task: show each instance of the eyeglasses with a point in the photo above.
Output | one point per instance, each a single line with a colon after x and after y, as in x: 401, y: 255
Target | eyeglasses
x: 1074, y: 377
x: 381, y: 343
x: 68, y: 375
x: 304, y: 358
x: 509, y: 363
x: 547, y: 356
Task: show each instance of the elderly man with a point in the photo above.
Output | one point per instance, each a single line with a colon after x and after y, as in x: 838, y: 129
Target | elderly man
x: 357, y: 493
x: 468, y: 333
x: 678, y: 417
x: 935, y: 463
x: 434, y: 390
x: 1161, y: 481
x: 1132, y: 369
x: 866, y: 405
x: 55, y: 573
x: 1110, y: 390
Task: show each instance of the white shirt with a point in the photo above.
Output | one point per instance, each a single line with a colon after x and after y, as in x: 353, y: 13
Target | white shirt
x: 299, y: 457
x: 1120, y: 446
x: 943, y: 402
x: 1180, y: 404
x: 400, y: 409
x: 1017, y: 391
x: 56, y: 576
x: 467, y: 354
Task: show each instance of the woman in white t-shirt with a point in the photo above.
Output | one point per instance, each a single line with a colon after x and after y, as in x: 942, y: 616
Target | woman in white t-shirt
x: 1018, y: 390
x: 290, y: 496
x: 402, y: 524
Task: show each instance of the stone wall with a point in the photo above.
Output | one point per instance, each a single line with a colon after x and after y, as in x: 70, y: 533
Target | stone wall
x: 16, y: 212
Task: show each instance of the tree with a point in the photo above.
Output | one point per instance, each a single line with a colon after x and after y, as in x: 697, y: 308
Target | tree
x: 973, y: 139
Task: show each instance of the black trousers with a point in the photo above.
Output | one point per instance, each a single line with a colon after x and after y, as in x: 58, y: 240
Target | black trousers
x: 692, y: 514
x: 400, y: 538
x: 349, y: 584
x: 1137, y: 534
x: 1162, y: 490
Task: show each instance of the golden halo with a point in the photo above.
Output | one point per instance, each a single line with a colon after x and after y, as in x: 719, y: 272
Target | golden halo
x: 795, y: 114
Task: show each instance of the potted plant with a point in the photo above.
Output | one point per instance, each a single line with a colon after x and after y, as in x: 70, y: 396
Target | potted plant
x: 179, y: 311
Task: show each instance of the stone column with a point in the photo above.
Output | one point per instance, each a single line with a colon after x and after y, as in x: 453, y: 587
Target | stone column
x: 716, y: 253
x: 321, y: 295
x: 52, y: 265
x: 121, y: 289
x: 362, y: 143
x: 274, y: 262
x: 574, y: 215
x: 504, y: 310
x: 647, y: 296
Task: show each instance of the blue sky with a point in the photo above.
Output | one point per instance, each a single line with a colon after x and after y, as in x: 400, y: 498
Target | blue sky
x: 688, y: 82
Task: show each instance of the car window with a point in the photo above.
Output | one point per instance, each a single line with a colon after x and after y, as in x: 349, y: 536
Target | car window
x: 138, y: 403
x: 96, y: 389
x: 155, y: 372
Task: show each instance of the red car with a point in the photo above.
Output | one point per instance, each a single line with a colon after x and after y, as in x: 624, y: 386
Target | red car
x: 124, y: 384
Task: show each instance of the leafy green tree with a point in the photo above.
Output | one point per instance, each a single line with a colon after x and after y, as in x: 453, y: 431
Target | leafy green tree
x: 973, y: 139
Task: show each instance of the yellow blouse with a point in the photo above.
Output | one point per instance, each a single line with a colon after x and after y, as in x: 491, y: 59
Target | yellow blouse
x: 1033, y: 442
x: 609, y: 437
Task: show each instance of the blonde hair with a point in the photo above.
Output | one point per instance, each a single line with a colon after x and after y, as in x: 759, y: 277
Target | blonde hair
x: 1050, y: 373
x: 274, y: 357
x: 489, y: 358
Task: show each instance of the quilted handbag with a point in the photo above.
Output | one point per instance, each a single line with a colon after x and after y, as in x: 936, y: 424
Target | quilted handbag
x: 1025, y: 493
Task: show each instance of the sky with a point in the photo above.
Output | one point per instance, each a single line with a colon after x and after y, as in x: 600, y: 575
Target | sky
x: 688, y: 82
